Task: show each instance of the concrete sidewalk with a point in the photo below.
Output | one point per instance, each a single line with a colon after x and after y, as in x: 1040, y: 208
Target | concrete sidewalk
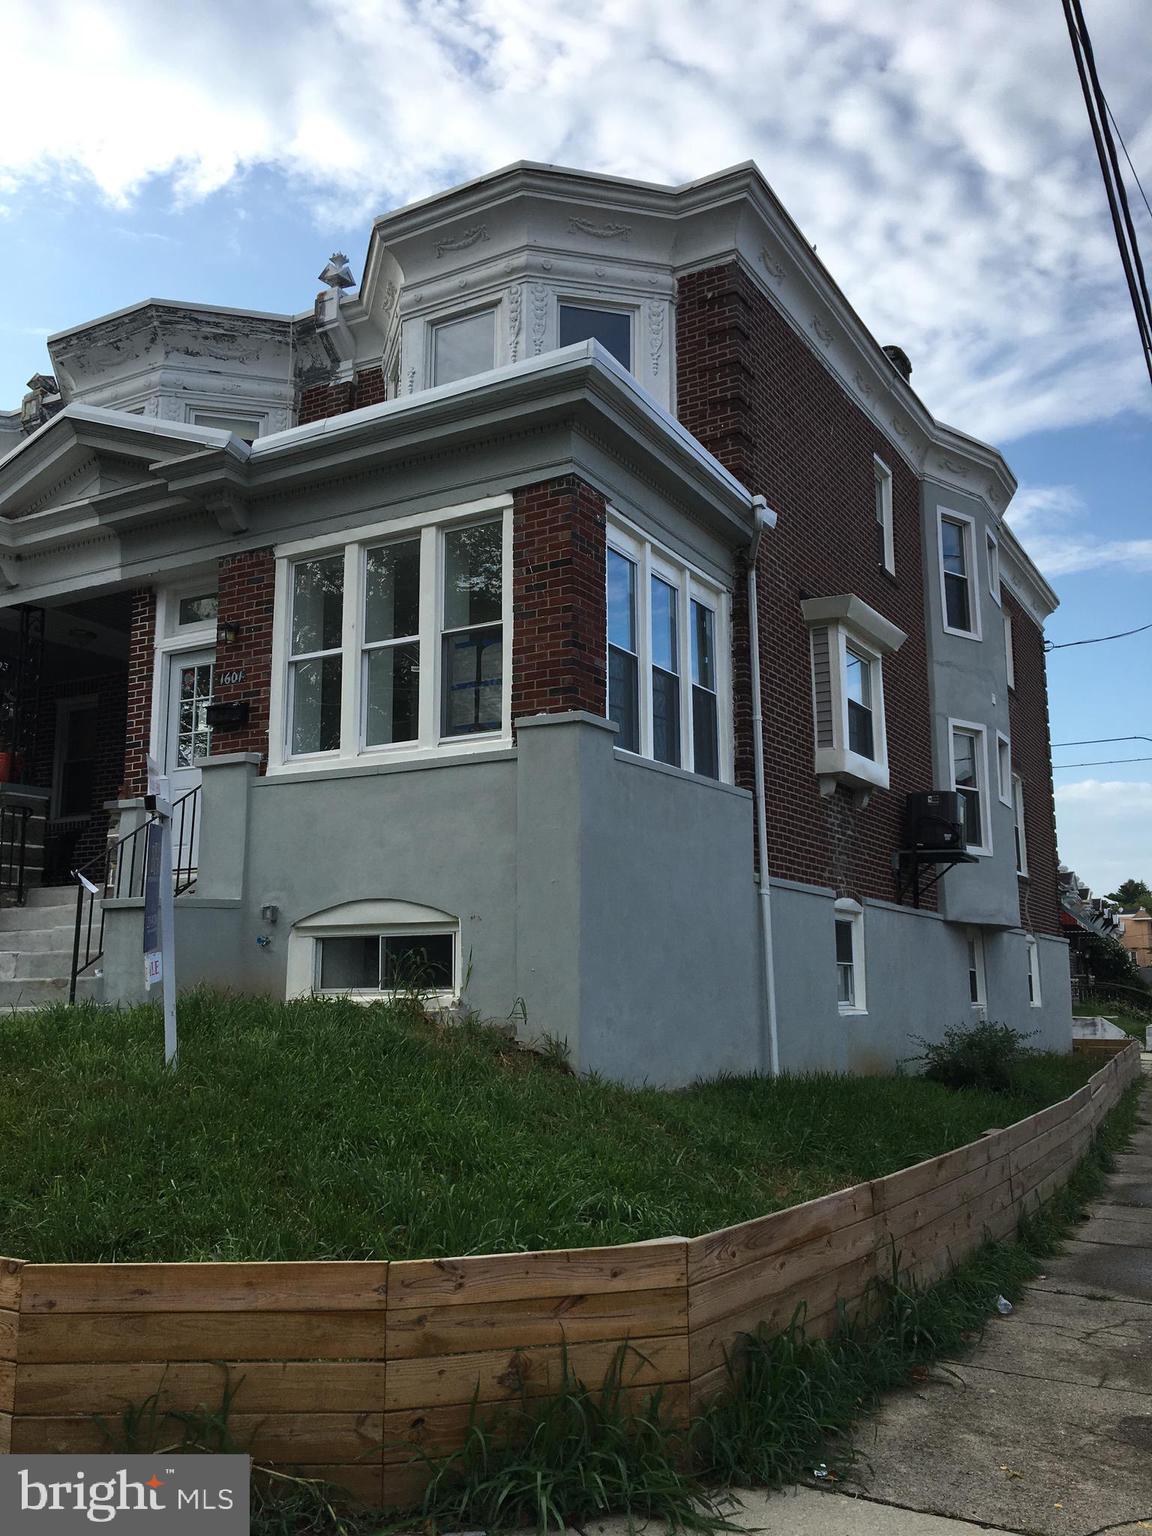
x: 1045, y: 1428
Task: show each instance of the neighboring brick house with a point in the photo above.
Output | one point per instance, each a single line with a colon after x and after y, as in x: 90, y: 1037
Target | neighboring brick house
x: 575, y: 607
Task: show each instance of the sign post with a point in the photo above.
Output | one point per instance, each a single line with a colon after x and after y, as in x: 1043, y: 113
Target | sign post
x: 159, y: 905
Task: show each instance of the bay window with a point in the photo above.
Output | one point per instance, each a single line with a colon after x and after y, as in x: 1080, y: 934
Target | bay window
x: 667, y: 666
x: 849, y: 641
x: 396, y: 642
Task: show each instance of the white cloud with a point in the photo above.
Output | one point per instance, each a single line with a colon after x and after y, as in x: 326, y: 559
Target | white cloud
x: 1104, y: 829
x: 939, y: 156
x: 1052, y: 521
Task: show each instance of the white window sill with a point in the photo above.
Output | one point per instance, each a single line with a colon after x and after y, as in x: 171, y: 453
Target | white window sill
x: 962, y: 634
x: 852, y: 1013
x: 850, y: 768
x: 364, y: 996
x: 452, y: 748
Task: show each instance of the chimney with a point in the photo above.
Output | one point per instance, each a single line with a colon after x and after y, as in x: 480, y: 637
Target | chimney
x: 899, y: 360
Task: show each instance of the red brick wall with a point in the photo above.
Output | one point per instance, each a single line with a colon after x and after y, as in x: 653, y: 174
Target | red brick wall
x: 759, y: 399
x: 323, y: 400
x: 1032, y: 760
x: 141, y: 663
x: 247, y: 599
x: 559, y: 634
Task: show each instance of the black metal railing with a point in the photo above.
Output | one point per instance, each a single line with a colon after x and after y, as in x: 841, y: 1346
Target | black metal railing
x: 14, y: 852
x: 119, y: 875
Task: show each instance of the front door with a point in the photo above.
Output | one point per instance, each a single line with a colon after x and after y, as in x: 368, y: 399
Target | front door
x: 186, y: 740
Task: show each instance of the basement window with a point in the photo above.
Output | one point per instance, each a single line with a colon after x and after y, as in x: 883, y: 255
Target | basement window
x: 387, y: 963
x: 850, y: 989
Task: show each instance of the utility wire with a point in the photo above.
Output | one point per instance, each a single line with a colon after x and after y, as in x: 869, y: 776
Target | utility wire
x: 1114, y: 187
x: 1127, y: 156
x: 1050, y: 645
x: 1091, y: 741
x: 1102, y: 762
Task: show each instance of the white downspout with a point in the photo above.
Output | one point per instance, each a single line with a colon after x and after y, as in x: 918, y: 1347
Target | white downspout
x: 763, y: 519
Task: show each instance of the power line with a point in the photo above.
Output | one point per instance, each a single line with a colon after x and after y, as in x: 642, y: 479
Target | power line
x: 1050, y: 645
x: 1092, y: 741
x: 1127, y: 156
x: 1114, y: 188
x: 1102, y: 762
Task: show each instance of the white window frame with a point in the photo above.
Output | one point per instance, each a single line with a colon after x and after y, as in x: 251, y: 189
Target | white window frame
x: 433, y: 324
x: 974, y: 941
x: 972, y: 728
x: 691, y: 584
x: 968, y: 524
x: 371, y: 919
x: 1003, y: 768
x: 844, y: 909
x: 883, y: 478
x: 431, y: 743
x: 1019, y: 833
x: 257, y: 419
x: 601, y: 306
x: 851, y: 622
x: 1035, y: 995
x: 1009, y: 653
x: 992, y: 554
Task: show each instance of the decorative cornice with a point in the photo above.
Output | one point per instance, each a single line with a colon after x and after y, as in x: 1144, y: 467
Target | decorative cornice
x: 515, y: 298
x: 540, y: 303
x: 774, y: 268
x: 655, y: 333
x: 463, y: 242
x: 579, y: 226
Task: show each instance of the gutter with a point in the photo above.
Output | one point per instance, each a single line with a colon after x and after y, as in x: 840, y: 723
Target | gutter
x: 763, y: 518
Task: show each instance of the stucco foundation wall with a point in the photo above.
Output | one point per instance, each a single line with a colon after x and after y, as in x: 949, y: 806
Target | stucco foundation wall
x: 916, y: 969
x: 354, y: 1371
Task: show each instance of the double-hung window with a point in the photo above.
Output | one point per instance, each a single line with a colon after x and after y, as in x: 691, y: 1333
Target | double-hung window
x: 1033, y: 951
x: 957, y: 566
x: 1003, y: 768
x: 970, y: 781
x: 667, y: 669
x: 1018, y: 824
x: 993, y: 552
x: 849, y: 641
x: 851, y: 994
x: 397, y: 641
x: 977, y: 982
x: 1009, y: 652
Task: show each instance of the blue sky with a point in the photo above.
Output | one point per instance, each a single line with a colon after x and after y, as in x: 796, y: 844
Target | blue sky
x: 941, y: 164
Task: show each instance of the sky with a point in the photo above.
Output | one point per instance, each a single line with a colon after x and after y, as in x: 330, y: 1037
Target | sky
x: 937, y: 155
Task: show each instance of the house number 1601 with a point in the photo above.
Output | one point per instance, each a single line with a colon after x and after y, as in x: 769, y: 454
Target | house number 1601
x: 226, y: 679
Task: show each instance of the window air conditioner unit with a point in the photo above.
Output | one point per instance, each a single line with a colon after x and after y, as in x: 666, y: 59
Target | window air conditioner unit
x: 934, y: 822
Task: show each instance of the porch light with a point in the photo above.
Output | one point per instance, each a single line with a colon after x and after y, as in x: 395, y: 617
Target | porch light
x: 227, y: 633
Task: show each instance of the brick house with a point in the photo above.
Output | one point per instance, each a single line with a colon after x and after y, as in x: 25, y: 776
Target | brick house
x: 570, y: 613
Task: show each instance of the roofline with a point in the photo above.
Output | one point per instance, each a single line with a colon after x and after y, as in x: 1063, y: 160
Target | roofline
x: 129, y: 309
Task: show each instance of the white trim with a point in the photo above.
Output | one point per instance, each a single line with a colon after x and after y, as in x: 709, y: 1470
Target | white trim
x: 972, y: 728
x: 844, y: 908
x: 992, y: 555
x: 1019, y: 830
x: 1009, y: 652
x: 974, y: 962
x: 1036, y: 998
x: 430, y: 743
x: 860, y: 617
x: 883, y: 475
x: 373, y: 918
x: 1003, y: 762
x: 651, y: 559
x: 972, y: 571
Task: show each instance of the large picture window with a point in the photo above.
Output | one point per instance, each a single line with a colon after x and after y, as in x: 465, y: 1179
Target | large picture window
x: 667, y: 666
x: 397, y: 641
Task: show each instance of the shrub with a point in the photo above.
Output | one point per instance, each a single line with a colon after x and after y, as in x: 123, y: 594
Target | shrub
x: 986, y: 1057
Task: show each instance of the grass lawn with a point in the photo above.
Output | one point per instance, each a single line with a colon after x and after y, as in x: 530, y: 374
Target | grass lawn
x: 322, y: 1130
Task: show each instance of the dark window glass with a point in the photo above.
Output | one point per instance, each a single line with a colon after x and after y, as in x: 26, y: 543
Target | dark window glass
x: 955, y: 553
x: 612, y: 328
x: 858, y: 687
x: 392, y: 591
x: 845, y: 972
x: 317, y: 605
x: 473, y: 681
x: 623, y: 697
x: 705, y: 734
x: 968, y: 784
x: 197, y: 610
x: 391, y: 694
x: 421, y: 961
x: 665, y: 717
x: 473, y: 576
x: 350, y: 962
x: 316, y: 705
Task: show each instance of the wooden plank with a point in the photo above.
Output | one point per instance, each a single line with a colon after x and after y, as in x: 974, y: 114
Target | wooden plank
x: 318, y: 1287
x: 437, y: 1431
x: 7, y: 1386
x: 936, y: 1203
x: 279, y: 1438
x: 922, y: 1178
x: 755, y: 1284
x: 262, y: 1386
x: 403, y: 1484
x: 9, y: 1334
x: 11, y: 1272
x: 544, y: 1320
x: 710, y: 1342
x: 956, y: 1234
x: 5, y: 1434
x: 717, y: 1252
x: 495, y: 1375
x: 528, y: 1276
x: 202, y: 1336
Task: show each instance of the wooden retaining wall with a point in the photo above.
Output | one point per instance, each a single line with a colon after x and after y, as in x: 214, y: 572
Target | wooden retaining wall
x: 341, y: 1368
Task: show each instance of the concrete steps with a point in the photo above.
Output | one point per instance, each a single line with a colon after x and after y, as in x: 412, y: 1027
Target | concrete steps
x: 36, y: 950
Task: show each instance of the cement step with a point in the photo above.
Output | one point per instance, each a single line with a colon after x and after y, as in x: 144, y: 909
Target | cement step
x: 34, y: 991
x: 28, y: 941
x: 51, y: 896
x: 40, y: 963
x: 17, y: 919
